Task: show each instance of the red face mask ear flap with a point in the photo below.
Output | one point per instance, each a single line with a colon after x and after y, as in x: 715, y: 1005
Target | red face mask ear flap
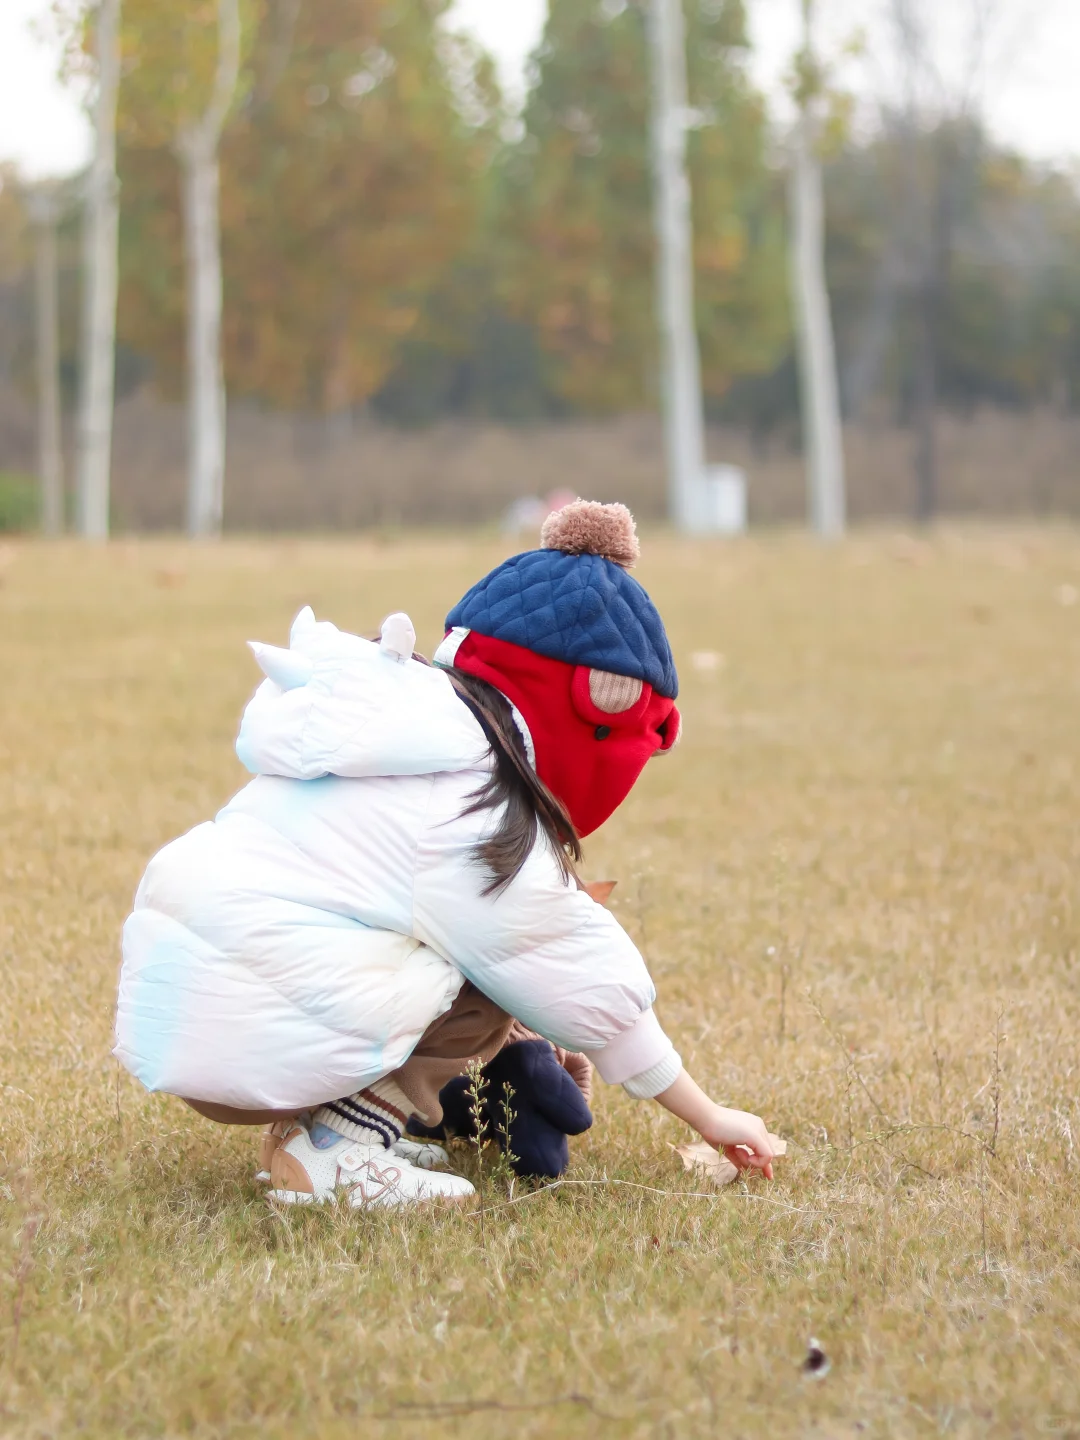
x: 670, y: 731
x: 605, y: 699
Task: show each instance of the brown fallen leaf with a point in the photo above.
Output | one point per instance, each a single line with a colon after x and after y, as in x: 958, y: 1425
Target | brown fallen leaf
x: 700, y: 1156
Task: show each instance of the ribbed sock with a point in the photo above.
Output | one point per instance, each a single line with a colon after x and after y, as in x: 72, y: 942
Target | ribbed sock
x: 375, y: 1115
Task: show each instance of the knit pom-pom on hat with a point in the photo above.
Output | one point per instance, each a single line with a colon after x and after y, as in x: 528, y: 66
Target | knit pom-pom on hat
x: 587, y: 527
x: 573, y: 600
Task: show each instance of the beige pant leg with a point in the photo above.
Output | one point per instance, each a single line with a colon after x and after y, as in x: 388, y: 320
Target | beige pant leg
x: 226, y: 1115
x: 474, y: 1028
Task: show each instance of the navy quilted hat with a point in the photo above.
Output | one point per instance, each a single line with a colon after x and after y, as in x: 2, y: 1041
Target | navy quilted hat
x: 574, y: 600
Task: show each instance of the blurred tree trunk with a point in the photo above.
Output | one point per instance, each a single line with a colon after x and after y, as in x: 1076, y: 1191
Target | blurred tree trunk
x: 580, y: 227
x: 680, y: 362
x: 925, y: 388
x: 861, y: 378
x: 197, y: 149
x: 942, y: 139
x: 820, y: 392
x: 44, y: 210
x: 954, y: 158
x: 100, y: 281
x: 822, y: 430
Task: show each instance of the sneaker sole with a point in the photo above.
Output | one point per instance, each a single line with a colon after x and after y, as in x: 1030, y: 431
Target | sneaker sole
x: 303, y: 1197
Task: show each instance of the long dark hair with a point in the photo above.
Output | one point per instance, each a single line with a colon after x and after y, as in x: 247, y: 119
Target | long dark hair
x: 527, y: 806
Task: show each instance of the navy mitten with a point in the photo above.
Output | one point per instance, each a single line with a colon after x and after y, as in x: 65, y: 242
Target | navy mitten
x: 546, y: 1106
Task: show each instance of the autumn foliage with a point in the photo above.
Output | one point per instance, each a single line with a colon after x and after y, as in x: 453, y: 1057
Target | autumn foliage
x: 580, y: 210
x: 392, y: 235
x: 350, y: 179
x: 368, y: 159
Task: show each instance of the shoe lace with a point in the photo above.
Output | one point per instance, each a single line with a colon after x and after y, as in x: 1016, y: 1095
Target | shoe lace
x: 386, y: 1179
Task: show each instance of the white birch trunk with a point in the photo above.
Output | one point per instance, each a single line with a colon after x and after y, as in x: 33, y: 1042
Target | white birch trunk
x: 684, y: 430
x: 205, y: 379
x: 100, y: 281
x: 820, y: 398
x: 43, y: 212
x: 197, y: 149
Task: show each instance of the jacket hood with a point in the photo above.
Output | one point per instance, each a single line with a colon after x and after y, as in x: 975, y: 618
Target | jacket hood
x: 335, y: 704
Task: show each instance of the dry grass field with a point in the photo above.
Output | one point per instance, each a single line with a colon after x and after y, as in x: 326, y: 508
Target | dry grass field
x: 855, y: 885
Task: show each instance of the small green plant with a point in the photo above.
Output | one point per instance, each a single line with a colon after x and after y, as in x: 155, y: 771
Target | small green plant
x: 476, y: 1090
x: 490, y: 1123
x: 18, y: 502
x: 503, y: 1170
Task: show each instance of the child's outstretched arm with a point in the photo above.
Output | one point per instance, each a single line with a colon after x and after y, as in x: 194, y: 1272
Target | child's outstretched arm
x: 742, y: 1137
x: 562, y: 963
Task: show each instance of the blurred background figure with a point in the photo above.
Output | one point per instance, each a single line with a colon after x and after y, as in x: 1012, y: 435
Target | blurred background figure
x: 432, y: 256
x: 524, y: 516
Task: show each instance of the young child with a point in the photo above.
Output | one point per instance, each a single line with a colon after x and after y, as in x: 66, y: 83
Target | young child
x: 397, y: 882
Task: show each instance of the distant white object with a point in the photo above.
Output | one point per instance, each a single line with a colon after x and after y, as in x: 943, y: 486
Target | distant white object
x: 724, y: 500
x: 526, y: 513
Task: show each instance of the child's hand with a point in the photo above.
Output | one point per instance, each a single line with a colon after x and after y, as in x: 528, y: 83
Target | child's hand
x: 742, y: 1137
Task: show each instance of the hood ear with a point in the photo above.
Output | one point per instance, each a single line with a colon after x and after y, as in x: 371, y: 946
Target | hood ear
x: 287, y: 668
x: 397, y: 639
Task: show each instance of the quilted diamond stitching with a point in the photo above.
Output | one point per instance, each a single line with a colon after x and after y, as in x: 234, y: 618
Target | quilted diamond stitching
x: 582, y: 609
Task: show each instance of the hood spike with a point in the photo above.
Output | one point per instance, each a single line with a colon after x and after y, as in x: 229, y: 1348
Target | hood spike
x: 302, y: 626
x: 287, y: 668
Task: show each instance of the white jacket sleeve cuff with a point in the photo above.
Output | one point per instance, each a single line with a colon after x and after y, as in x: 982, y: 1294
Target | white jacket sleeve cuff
x: 636, y: 1051
x: 655, y: 1081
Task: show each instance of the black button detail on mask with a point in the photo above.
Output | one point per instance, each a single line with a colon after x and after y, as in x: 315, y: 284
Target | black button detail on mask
x: 602, y: 732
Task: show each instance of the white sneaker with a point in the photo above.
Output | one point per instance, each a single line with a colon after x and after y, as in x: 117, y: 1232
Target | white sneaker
x: 273, y: 1135
x: 363, y: 1175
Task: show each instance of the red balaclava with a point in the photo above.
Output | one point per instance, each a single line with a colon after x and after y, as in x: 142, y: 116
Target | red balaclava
x: 592, y: 729
x: 588, y: 755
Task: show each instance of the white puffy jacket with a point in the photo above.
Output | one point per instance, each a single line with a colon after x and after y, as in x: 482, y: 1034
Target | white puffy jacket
x: 296, y: 947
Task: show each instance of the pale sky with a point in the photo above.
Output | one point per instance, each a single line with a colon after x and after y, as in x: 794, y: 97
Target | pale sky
x: 1030, y: 86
